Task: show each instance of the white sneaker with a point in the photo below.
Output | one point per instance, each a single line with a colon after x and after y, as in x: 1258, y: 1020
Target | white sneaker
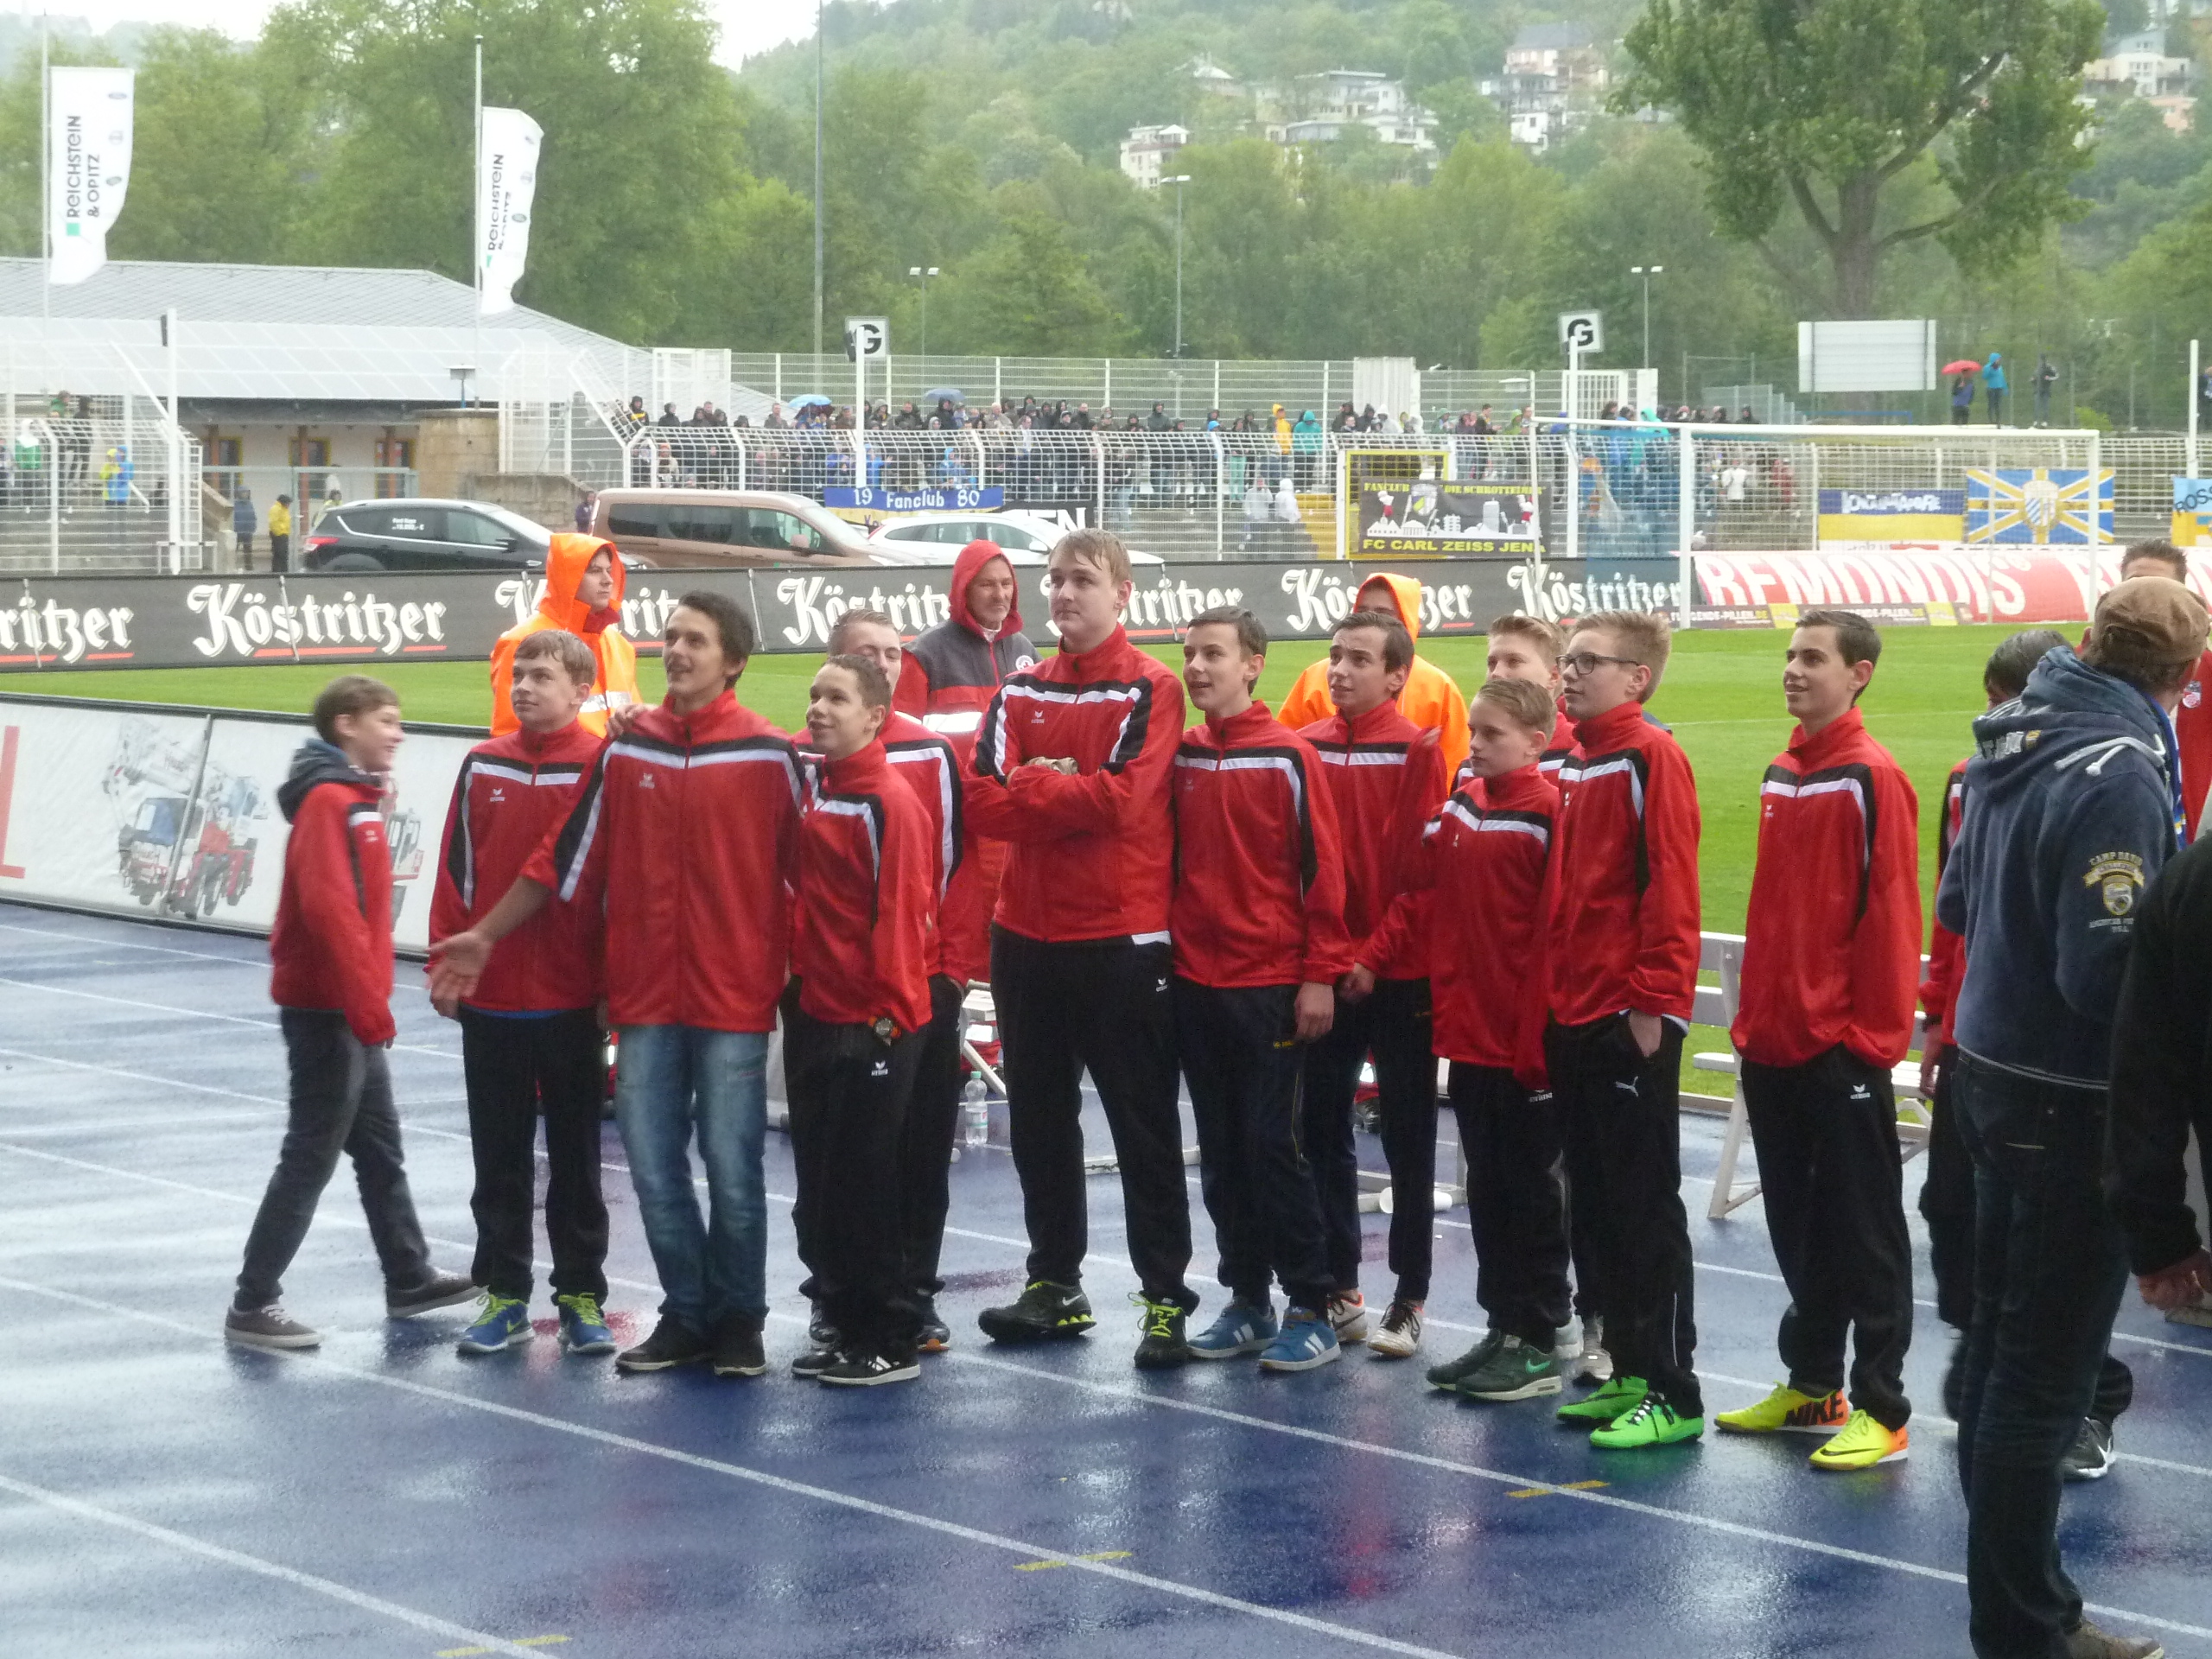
x: 1400, y: 1334
x: 1595, y: 1364
x: 1566, y: 1345
x: 1348, y: 1315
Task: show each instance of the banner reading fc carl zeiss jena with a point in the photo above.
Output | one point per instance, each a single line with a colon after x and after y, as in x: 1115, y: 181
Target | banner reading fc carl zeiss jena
x: 364, y: 617
x: 1429, y: 520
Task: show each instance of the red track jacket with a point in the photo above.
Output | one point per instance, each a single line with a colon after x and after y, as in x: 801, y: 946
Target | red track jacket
x: 868, y: 894
x: 1548, y: 763
x: 930, y: 768
x: 1625, y: 899
x: 1259, y: 875
x: 2193, y: 732
x: 1484, y: 861
x: 1092, y: 852
x: 949, y: 677
x: 510, y: 794
x: 1946, y: 951
x: 1832, y: 940
x: 1386, y: 776
x: 331, y: 948
x: 685, y: 831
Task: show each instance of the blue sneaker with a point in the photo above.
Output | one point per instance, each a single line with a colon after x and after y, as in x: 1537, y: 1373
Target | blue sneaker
x: 583, y: 1329
x: 1308, y: 1340
x: 1240, y: 1328
x: 502, y: 1322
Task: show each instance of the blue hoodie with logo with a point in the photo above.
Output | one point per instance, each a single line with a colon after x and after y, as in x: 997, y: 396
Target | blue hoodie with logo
x: 2068, y: 815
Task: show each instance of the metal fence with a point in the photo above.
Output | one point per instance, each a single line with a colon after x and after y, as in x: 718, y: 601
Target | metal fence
x: 89, y: 490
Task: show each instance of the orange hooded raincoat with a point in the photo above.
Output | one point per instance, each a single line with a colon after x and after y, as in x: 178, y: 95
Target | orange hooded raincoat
x: 616, y: 682
x: 1430, y: 697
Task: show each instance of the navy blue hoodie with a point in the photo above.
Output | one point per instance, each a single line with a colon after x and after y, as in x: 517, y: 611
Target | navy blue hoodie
x: 2068, y: 815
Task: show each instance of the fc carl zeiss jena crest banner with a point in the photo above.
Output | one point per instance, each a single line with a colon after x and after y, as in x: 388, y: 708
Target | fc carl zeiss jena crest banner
x: 2040, y: 505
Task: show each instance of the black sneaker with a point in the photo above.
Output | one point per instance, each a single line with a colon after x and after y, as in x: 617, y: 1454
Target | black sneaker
x: 737, y: 1350
x: 814, y: 1361
x: 935, y: 1335
x: 2090, y: 1456
x: 2086, y: 1641
x: 268, y: 1327
x: 1161, y: 1346
x: 859, y: 1368
x: 439, y: 1290
x: 672, y: 1342
x: 1043, y: 1313
x: 1453, y: 1372
x: 820, y: 1331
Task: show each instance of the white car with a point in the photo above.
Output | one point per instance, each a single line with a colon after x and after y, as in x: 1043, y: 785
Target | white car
x: 937, y: 538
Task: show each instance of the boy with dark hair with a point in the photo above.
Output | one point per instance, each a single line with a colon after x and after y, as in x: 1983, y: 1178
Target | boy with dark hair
x: 2193, y: 718
x: 1623, y: 973
x: 2044, y: 885
x: 1831, y: 956
x: 1073, y: 767
x: 1385, y: 776
x: 1485, y: 859
x: 931, y: 768
x: 330, y: 957
x: 853, y: 1022
x: 531, y: 1042
x: 684, y: 832
x: 1258, y: 920
x: 1427, y: 696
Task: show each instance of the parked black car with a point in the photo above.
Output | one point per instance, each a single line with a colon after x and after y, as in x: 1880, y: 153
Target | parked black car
x: 424, y: 535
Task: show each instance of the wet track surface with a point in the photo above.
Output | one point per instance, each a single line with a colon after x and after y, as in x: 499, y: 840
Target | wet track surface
x: 163, y: 1494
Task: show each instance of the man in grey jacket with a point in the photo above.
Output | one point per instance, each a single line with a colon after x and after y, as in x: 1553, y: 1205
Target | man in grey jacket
x: 2073, y: 805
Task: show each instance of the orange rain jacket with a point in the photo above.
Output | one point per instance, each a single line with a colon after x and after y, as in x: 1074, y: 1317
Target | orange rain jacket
x: 616, y: 682
x: 1430, y: 697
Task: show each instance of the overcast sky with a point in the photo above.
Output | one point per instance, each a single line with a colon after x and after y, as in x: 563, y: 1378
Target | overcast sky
x: 747, y: 26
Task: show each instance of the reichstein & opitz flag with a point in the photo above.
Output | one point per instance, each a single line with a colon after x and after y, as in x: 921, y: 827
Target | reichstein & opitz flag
x: 89, y: 129
x: 507, y: 180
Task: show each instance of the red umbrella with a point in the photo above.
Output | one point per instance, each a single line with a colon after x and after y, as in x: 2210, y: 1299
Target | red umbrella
x: 1964, y: 366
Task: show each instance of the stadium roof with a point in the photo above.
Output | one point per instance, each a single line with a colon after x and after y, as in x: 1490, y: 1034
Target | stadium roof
x: 289, y: 333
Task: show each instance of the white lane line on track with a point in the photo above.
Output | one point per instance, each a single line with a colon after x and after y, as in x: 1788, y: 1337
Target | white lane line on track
x: 143, y: 1005
x: 1028, y: 1550
x: 1131, y: 1394
x: 260, y: 961
x: 323, y: 1587
x: 415, y: 1127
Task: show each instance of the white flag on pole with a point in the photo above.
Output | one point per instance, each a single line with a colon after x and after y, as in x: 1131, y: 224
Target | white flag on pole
x: 506, y: 180
x: 89, y: 116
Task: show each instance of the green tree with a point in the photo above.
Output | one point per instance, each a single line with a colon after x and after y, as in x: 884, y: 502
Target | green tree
x: 1025, y: 293
x: 1825, y: 103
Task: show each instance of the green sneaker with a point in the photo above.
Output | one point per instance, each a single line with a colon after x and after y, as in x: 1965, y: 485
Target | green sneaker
x: 1515, y: 1372
x: 1654, y: 1423
x: 1160, y: 1342
x: 1453, y: 1372
x: 1620, y: 1395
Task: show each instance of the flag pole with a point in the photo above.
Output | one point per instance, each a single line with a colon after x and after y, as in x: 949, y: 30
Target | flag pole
x: 45, y: 168
x: 476, y: 222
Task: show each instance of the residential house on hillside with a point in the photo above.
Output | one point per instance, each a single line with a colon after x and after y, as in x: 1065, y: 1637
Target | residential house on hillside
x: 1554, y: 75
x: 1146, y: 151
x: 1322, y: 107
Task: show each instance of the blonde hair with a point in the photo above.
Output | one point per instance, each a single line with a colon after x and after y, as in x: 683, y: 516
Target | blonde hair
x: 1546, y: 634
x: 1524, y: 701
x: 1100, y: 548
x: 1642, y: 637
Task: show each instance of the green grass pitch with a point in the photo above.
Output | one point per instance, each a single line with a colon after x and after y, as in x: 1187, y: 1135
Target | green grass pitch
x: 1722, y: 695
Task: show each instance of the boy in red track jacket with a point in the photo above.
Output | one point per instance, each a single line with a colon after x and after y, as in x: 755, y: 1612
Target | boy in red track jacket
x: 1485, y: 859
x: 929, y: 767
x: 2193, y: 720
x: 685, y: 834
x: 854, y: 1019
x: 1831, y: 962
x: 330, y: 957
x: 529, y: 1035
x: 1625, y: 947
x: 1071, y: 769
x: 1528, y: 648
x: 1386, y: 775
x: 1258, y: 919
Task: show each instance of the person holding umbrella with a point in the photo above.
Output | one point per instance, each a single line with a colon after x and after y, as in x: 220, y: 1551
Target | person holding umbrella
x: 1963, y: 389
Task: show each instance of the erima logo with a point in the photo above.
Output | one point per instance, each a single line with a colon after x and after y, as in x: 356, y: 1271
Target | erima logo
x: 880, y: 1069
x: 498, y: 795
x: 1161, y: 986
x: 1860, y: 1091
x: 647, y: 782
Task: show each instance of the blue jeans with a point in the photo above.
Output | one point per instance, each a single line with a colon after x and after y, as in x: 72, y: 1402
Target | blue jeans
x: 670, y: 1079
x: 2048, y: 1271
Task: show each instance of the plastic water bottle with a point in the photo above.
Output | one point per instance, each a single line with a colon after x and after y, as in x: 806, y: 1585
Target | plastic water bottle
x: 975, y: 1116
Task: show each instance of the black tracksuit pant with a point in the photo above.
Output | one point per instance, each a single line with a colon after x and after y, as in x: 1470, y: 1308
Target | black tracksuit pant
x: 925, y: 1141
x: 1826, y: 1133
x: 515, y: 1070
x: 1245, y: 1069
x: 1619, y: 1114
x: 1947, y: 1205
x: 1394, y: 1024
x: 1516, y: 1201
x: 1102, y: 1005
x: 849, y: 1090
